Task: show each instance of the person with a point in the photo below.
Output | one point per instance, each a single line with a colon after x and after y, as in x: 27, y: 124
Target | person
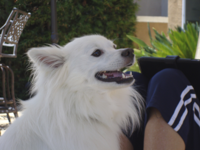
x: 172, y: 117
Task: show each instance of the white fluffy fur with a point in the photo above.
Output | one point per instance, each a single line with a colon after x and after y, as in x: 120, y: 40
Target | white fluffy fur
x: 72, y: 110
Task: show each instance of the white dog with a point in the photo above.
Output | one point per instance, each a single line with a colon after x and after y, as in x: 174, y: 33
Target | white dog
x: 82, y: 100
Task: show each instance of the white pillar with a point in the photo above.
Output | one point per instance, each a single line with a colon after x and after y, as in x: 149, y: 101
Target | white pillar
x: 183, y: 12
x: 197, y: 56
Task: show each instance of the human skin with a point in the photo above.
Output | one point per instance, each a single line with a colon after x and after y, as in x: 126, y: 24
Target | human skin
x: 159, y: 135
x: 125, y: 143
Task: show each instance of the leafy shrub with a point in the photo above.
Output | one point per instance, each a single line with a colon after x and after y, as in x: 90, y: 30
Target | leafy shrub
x: 181, y: 42
x: 113, y: 19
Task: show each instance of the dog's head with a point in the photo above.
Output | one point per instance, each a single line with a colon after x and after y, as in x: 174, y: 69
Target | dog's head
x: 88, y: 60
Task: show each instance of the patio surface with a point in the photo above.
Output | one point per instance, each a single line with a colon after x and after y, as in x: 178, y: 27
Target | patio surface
x: 4, y: 121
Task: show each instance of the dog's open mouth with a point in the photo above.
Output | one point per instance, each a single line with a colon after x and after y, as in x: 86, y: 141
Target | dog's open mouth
x: 114, y: 76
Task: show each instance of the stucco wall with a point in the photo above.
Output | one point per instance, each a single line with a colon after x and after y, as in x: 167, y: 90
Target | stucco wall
x: 142, y: 30
x: 174, y: 13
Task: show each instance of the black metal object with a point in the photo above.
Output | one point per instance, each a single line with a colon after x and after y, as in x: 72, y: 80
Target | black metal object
x: 149, y: 66
x: 8, y: 102
x: 12, y: 30
x: 9, y: 37
x: 54, y: 33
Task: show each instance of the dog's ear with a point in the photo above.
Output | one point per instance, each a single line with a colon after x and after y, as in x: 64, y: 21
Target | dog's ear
x: 52, y: 57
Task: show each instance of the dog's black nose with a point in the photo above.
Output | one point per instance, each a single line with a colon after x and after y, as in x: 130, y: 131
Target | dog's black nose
x: 127, y: 52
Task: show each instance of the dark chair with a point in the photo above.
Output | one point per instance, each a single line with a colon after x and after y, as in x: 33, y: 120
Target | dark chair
x: 7, y: 102
x: 9, y: 37
x: 11, y: 31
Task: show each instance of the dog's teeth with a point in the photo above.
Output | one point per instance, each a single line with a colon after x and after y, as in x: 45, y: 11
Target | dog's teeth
x: 131, y: 75
x: 123, y: 76
x: 104, y: 76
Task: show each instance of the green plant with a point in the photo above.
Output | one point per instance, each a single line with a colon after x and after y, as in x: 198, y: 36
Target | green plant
x: 113, y: 19
x: 181, y: 42
x: 5, y: 9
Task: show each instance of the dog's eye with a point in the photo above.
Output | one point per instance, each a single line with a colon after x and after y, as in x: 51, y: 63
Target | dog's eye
x: 114, y: 46
x: 97, y: 53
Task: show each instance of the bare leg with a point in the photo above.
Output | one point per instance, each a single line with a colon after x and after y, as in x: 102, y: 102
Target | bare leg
x: 125, y: 143
x: 159, y: 135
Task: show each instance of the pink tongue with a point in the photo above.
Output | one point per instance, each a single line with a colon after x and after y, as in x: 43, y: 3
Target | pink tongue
x: 113, y: 74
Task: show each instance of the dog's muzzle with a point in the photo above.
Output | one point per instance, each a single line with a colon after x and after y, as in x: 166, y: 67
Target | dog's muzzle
x: 128, y: 55
x: 118, y: 76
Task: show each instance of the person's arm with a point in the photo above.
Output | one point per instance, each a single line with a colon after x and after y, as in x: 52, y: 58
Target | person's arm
x: 159, y: 135
x: 125, y: 143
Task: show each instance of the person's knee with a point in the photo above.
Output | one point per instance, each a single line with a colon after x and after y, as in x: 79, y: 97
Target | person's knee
x: 168, y: 74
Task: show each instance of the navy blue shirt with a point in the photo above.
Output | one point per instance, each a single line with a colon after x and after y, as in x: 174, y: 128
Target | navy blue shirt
x: 172, y: 94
